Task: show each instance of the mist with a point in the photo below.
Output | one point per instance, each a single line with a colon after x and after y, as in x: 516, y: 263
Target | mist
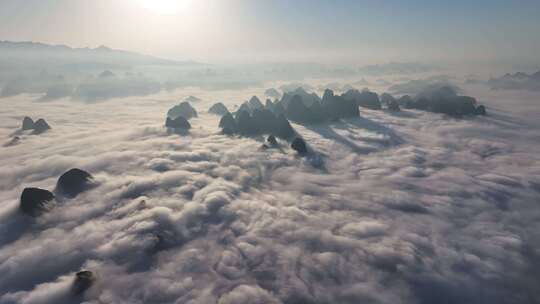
x: 488, y: 33
x: 258, y: 152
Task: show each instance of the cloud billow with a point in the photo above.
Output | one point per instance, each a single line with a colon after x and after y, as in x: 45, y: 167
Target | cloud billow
x: 421, y: 210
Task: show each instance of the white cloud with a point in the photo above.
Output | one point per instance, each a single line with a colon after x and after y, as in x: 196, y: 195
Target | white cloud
x: 407, y: 208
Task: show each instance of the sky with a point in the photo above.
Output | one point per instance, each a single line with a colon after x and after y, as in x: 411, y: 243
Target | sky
x: 340, y: 31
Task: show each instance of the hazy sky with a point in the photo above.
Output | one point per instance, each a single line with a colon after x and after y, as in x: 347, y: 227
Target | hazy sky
x: 283, y: 30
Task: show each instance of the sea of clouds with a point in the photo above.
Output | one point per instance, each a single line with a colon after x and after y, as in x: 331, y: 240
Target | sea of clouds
x: 409, y: 207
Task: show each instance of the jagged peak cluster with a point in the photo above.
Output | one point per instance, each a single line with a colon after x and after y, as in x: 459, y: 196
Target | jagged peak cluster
x: 301, y: 107
x: 178, y: 116
x: 39, y: 126
x: 443, y: 100
x: 183, y: 109
x: 254, y: 118
x: 250, y: 121
x: 306, y: 108
x: 517, y: 81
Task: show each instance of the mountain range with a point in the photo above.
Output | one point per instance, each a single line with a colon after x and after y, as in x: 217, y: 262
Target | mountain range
x: 517, y: 81
x: 26, y: 55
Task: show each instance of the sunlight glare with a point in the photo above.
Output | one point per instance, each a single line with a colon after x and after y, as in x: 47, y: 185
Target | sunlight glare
x: 163, y: 6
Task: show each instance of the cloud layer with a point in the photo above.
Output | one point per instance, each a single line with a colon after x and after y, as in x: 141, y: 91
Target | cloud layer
x: 407, y: 207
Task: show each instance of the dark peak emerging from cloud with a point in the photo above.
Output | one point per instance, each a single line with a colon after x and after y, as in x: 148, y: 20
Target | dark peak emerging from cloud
x: 256, y: 121
x: 302, y: 107
x: 307, y: 98
x: 178, y: 123
x: 228, y: 124
x: 390, y: 101
x: 35, y: 201
x: 39, y: 126
x: 386, y: 98
x: 517, y: 81
x: 218, y: 109
x: 442, y: 99
x: 437, y: 92
x: 74, y: 182
x: 417, y: 86
x: 299, y: 145
x: 365, y: 98
x: 183, y: 109
x: 27, y: 124
x: 83, y: 280
x: 253, y: 118
x: 255, y: 103
x: 305, y: 108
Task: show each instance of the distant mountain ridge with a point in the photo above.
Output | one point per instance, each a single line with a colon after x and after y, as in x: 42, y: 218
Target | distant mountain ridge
x: 517, y: 81
x: 36, y: 54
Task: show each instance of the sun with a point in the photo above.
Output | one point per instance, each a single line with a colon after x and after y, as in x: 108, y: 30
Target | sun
x: 163, y: 6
